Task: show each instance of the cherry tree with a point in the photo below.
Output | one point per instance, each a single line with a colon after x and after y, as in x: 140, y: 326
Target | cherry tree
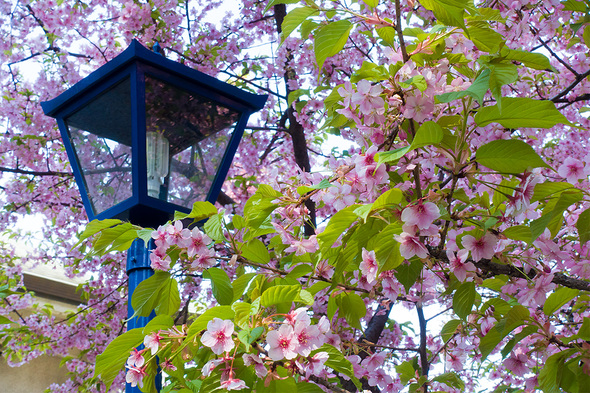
x: 463, y: 197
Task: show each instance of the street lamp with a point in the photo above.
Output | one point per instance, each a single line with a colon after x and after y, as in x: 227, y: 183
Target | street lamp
x: 147, y: 136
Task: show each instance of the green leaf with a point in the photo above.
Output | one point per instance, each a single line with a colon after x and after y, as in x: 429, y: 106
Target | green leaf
x: 537, y: 61
x: 519, y: 232
x: 558, y: 299
x: 485, y: 39
x: 4, y: 320
x: 117, y: 238
x: 352, y: 307
x: 477, y: 90
x: 239, y: 285
x: 260, y: 205
x: 255, y: 251
x: 517, y: 316
x: 500, y: 75
x: 221, y: 285
x: 449, y: 329
x: 95, y: 226
x: 330, y: 39
x: 450, y: 379
x: 584, y: 331
x: 405, y: 371
x: 463, y: 299
x: 392, y: 155
x: 112, y: 360
x: 445, y: 13
x: 550, y: 373
x: 574, y: 5
x: 338, y: 224
x: 200, y: 211
x: 429, y: 133
x: 169, y: 298
x: 308, y: 387
x: 387, y: 253
x: 388, y: 198
x: 520, y: 112
x: 279, y: 294
x: 387, y: 34
x: 508, y: 156
x: 214, y: 228
x: 583, y: 226
x: 294, y: 18
x: 148, y: 295
x: 407, y: 273
x: 371, y: 3
x: 547, y: 189
x: 338, y: 362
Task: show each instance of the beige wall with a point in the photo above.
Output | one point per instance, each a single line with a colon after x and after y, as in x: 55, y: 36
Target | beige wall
x: 33, y: 377
x: 37, y: 375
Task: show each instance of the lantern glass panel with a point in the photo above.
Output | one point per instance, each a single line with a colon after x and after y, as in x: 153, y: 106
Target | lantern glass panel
x: 196, y: 131
x: 100, y: 134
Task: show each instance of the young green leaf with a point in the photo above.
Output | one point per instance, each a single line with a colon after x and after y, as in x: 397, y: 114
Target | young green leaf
x: 330, y: 39
x: 509, y: 156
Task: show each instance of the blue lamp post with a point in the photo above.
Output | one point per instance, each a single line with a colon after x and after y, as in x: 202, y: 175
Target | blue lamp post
x: 147, y: 136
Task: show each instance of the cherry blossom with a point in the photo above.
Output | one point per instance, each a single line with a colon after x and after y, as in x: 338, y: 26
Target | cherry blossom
x: 421, y: 215
x: 233, y: 384
x: 369, y: 266
x: 152, y: 342
x: 418, y: 108
x: 218, y: 336
x: 459, y: 266
x: 282, y: 343
x: 573, y: 170
x: 480, y: 248
x: 135, y: 376
x: 410, y: 245
x: 136, y: 358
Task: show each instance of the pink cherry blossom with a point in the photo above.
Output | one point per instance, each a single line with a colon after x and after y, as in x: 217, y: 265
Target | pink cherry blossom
x: 210, y: 366
x: 136, y: 358
x: 368, y: 98
x: 259, y: 367
x: 573, y: 170
x: 152, y: 342
x: 218, y: 336
x: 135, y: 376
x: 421, y: 215
x: 369, y: 266
x: 282, y: 343
x: 233, y: 384
x: 517, y: 363
x: 160, y: 260
x: 411, y: 245
x: 458, y: 265
x: 368, y: 170
x: 308, y: 338
x: 482, y: 248
x: 194, y: 241
x: 418, y: 108
x: 315, y: 364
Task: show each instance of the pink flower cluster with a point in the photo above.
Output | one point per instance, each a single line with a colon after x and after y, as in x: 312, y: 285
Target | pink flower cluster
x: 296, y: 336
x: 418, y: 221
x: 193, y: 242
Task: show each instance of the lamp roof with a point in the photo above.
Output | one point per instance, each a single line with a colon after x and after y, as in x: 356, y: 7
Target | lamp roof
x: 136, y: 52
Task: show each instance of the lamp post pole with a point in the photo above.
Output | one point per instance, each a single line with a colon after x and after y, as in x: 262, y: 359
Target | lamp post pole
x: 138, y: 269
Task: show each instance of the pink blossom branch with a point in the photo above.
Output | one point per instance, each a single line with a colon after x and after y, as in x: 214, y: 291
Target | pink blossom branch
x: 494, y: 268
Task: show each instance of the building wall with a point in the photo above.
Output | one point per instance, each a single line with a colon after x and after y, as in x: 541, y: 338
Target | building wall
x: 33, y: 377
x: 53, y: 288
